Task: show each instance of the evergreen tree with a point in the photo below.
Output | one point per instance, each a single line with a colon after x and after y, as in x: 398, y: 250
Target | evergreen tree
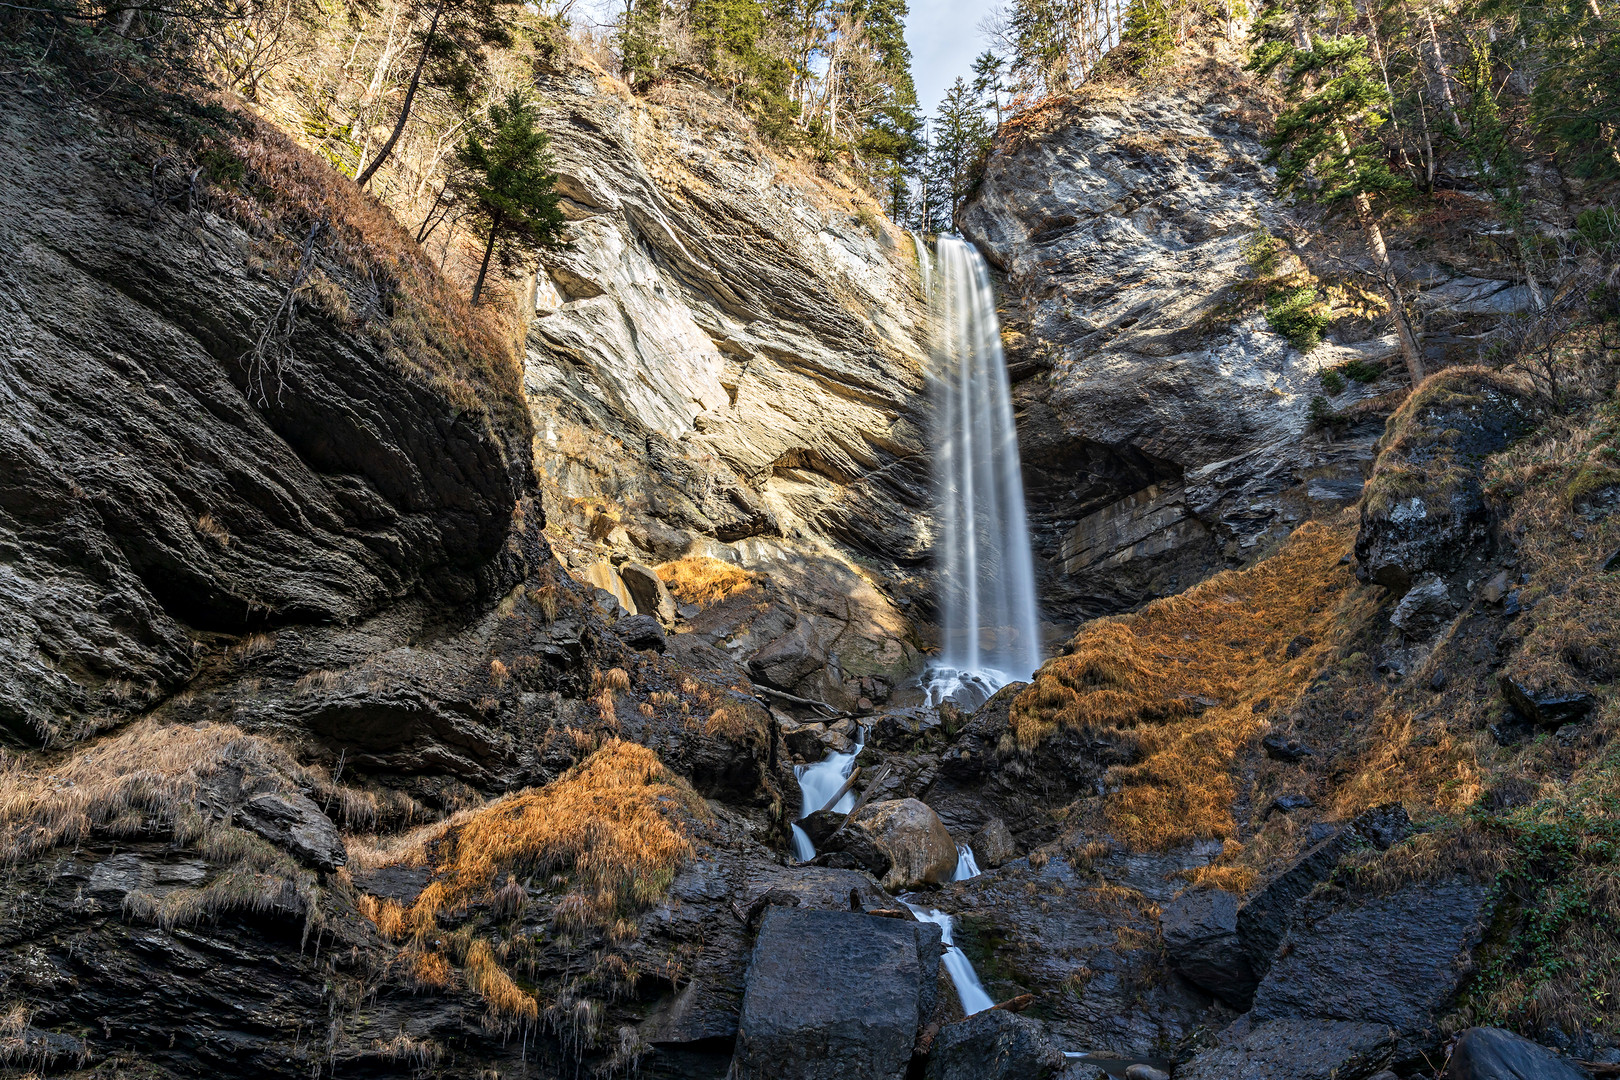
x: 987, y: 72
x: 511, y: 187
x: 956, y: 159
x: 450, y: 56
x: 1325, y: 144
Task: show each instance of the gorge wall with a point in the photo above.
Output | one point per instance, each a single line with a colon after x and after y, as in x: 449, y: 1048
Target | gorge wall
x: 417, y: 697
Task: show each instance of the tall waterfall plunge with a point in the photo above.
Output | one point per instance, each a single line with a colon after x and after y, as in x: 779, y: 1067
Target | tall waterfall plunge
x: 989, y: 621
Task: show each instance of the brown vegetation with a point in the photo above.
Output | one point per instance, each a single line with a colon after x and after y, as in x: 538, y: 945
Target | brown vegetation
x: 1180, y: 679
x: 611, y: 833
x: 704, y: 581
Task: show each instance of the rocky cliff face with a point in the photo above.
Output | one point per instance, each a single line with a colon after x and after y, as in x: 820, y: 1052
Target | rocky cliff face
x: 161, y: 486
x: 1164, y: 425
x: 729, y: 363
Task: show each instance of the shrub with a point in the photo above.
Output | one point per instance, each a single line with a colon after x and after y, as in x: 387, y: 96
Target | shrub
x: 1363, y: 371
x: 1332, y: 382
x: 1299, y: 315
x: 1599, y: 227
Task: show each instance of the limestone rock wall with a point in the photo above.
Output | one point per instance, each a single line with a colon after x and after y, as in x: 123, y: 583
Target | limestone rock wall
x: 1162, y: 439
x: 729, y: 362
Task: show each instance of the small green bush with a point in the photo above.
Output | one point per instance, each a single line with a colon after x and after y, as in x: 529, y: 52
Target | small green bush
x: 1362, y: 371
x: 1332, y: 381
x: 1299, y: 315
x: 1599, y: 227
x: 1262, y: 252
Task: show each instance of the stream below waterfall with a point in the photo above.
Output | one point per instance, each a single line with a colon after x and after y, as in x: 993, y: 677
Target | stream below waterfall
x: 820, y: 782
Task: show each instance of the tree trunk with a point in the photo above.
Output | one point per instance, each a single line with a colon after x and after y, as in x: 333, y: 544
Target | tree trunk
x: 489, y: 249
x: 405, y: 110
x: 1442, y: 74
x: 1391, y: 290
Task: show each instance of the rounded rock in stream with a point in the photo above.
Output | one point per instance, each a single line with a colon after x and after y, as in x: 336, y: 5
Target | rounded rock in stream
x: 918, y: 844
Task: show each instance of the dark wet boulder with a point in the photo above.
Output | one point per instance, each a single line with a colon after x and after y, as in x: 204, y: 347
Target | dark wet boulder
x: 1280, y: 747
x: 641, y: 632
x: 292, y: 821
x: 835, y: 995
x: 1263, y: 922
x: 1549, y: 707
x: 994, y: 1045
x: 1392, y: 961
x: 1293, y: 1049
x: 858, y: 847
x: 904, y: 730
x: 1200, y: 930
x: 1486, y: 1053
x: 1423, y: 510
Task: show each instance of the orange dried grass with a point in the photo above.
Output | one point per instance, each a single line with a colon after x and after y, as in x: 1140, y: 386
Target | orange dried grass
x: 617, y: 821
x: 704, y: 581
x: 1179, y: 679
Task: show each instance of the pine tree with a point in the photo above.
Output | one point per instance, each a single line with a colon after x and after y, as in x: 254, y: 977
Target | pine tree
x: 1324, y: 143
x: 450, y: 56
x: 511, y: 186
x: 956, y: 159
x: 987, y: 72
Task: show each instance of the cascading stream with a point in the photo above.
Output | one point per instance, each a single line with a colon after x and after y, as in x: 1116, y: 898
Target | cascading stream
x: 968, y: 986
x: 820, y: 782
x: 989, y: 619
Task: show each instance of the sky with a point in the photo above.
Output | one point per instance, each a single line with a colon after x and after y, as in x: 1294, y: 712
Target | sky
x: 944, y: 37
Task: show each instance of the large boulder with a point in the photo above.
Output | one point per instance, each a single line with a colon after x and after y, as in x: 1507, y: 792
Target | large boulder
x: 835, y: 995
x: 649, y: 592
x: 1293, y: 1049
x: 920, y: 848
x: 994, y: 1045
x: 1200, y: 930
x: 1393, y: 961
x: 1485, y: 1053
x: 1263, y: 922
x: 1424, y: 510
x: 993, y: 844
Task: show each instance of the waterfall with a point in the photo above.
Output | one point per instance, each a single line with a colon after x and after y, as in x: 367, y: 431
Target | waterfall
x: 966, y: 865
x: 968, y: 986
x: 820, y: 782
x: 990, y: 627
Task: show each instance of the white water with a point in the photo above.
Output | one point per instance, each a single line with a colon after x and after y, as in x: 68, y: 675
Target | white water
x: 818, y: 783
x: 966, y: 865
x: 990, y: 624
x: 968, y: 987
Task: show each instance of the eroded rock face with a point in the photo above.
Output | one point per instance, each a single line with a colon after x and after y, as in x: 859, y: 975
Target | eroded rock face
x: 153, y: 490
x: 1162, y: 441
x: 994, y: 1045
x: 1425, y: 514
x: 726, y: 354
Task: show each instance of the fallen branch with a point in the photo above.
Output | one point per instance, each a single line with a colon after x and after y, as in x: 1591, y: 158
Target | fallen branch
x: 860, y: 804
x: 801, y: 700
x: 1017, y: 1004
x: 854, y: 775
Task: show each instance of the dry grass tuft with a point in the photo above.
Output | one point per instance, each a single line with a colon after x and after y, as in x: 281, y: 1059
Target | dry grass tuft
x: 704, y: 581
x: 615, y: 821
x: 1179, y: 678
x: 432, y: 332
x: 613, y: 831
x: 613, y: 679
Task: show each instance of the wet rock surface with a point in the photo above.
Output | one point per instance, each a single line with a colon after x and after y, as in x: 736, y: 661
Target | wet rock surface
x: 835, y: 995
x: 994, y: 1045
x: 1484, y: 1053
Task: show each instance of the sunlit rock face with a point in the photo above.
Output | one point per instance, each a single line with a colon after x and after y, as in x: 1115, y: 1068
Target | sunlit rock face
x: 1163, y: 431
x: 729, y: 362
